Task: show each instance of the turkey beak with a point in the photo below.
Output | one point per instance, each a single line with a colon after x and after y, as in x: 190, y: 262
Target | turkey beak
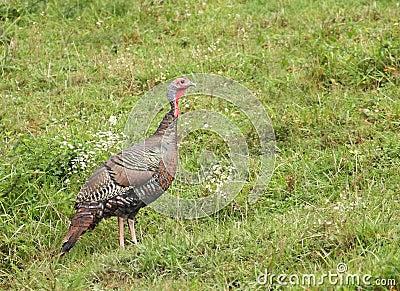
x: 190, y: 84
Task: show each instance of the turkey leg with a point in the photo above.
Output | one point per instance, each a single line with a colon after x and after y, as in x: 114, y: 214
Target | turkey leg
x: 121, y: 232
x: 131, y: 223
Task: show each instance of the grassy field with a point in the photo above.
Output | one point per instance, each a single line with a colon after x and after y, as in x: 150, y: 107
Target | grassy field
x: 328, y: 74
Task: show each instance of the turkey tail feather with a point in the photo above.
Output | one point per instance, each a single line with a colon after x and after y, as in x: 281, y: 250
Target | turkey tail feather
x: 86, y: 218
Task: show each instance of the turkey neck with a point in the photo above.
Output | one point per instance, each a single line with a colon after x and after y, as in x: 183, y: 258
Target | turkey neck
x: 168, y: 126
x: 167, y: 135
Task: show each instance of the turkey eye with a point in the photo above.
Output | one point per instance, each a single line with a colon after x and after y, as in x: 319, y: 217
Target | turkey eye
x: 182, y: 81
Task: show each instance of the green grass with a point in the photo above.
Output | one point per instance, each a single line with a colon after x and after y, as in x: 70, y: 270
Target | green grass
x: 328, y: 74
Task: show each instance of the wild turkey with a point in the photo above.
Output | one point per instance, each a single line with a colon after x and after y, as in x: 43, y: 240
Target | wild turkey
x: 131, y: 179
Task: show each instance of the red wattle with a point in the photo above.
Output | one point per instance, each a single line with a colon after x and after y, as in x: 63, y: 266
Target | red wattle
x: 176, y: 109
x: 178, y: 95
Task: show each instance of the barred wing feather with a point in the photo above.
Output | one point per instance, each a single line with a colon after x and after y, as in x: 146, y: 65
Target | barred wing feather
x: 131, y: 168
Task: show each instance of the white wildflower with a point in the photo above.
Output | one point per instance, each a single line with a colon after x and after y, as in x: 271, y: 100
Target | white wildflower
x: 113, y: 120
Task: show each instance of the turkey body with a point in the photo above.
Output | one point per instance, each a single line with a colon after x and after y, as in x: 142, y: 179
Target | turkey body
x: 128, y: 181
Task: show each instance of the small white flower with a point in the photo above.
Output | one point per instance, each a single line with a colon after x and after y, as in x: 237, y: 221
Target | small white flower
x: 113, y: 120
